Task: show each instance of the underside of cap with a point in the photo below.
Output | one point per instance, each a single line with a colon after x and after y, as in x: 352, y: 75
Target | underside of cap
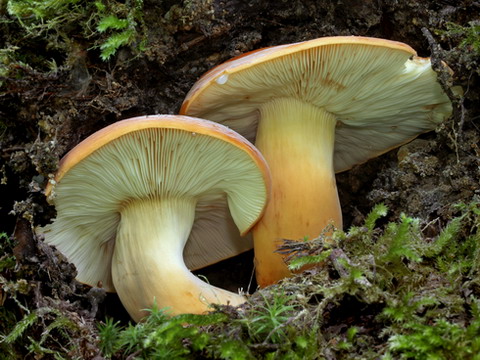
x: 380, y: 92
x: 214, y: 221
x: 217, y: 168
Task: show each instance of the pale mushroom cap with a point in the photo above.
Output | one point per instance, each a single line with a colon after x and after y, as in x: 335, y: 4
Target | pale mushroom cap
x: 151, y: 157
x: 381, y: 93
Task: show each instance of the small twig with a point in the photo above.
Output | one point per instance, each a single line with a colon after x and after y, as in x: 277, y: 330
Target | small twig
x: 339, y: 258
x: 430, y: 223
x: 435, y: 47
x: 299, y: 248
x: 336, y: 256
x: 187, y: 45
x: 262, y: 346
x: 445, y: 80
x: 251, y: 278
x: 13, y: 148
x: 132, y: 356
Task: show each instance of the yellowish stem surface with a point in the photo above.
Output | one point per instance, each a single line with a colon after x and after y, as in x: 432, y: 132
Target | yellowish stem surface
x: 148, y: 263
x: 297, y: 140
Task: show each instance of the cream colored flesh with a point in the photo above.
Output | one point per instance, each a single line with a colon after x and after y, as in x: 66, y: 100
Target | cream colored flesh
x: 297, y: 140
x: 148, y: 265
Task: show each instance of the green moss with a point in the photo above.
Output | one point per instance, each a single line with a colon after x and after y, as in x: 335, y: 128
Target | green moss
x: 121, y: 31
x: 267, y: 321
x: 36, y: 321
x: 381, y: 290
x: 463, y: 44
x: 56, y: 328
x: 62, y: 26
x: 7, y: 260
x: 468, y: 37
x: 378, y: 292
x: 159, y: 336
x: 440, y: 339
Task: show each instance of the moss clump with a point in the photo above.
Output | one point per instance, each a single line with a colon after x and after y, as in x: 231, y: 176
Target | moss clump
x: 468, y: 37
x: 464, y: 41
x: 62, y: 27
x: 43, y: 313
x: 379, y: 292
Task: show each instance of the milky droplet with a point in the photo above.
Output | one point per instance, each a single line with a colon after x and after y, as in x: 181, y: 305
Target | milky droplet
x: 222, y: 79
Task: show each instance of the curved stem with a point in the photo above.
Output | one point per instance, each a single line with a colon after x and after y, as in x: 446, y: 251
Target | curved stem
x: 297, y: 140
x: 148, y: 261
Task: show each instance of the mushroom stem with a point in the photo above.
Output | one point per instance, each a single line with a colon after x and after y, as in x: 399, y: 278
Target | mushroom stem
x: 297, y: 140
x: 148, y: 261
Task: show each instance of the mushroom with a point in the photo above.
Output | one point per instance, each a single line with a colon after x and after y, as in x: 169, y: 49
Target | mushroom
x: 315, y: 108
x: 130, y: 196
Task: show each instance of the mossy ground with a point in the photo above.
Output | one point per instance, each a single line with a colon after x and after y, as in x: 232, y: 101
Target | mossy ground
x: 55, y: 89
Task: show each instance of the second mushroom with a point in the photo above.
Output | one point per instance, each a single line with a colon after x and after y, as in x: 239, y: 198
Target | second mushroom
x: 313, y: 109
x: 129, y: 197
